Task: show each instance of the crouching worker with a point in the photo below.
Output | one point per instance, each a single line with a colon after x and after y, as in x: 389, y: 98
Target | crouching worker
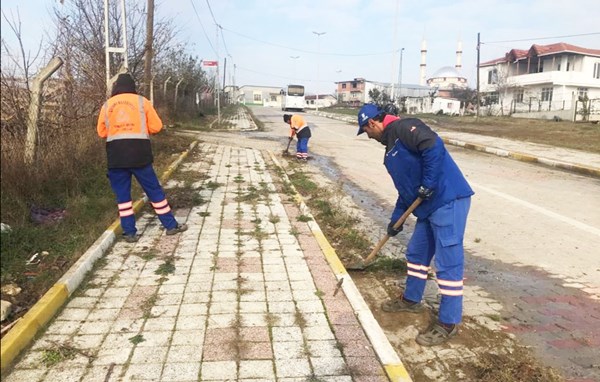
x: 420, y: 166
x: 126, y: 120
x: 301, y: 131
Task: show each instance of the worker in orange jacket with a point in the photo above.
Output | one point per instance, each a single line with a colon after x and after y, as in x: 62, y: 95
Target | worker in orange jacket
x: 300, y: 129
x: 126, y: 121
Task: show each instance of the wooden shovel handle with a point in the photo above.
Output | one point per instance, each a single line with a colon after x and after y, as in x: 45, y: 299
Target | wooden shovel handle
x: 397, y: 225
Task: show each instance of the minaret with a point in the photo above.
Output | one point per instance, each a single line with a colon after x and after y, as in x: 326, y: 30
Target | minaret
x: 459, y: 56
x: 422, y: 69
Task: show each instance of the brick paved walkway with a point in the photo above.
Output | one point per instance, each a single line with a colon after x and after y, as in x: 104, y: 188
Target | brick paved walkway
x: 245, y: 294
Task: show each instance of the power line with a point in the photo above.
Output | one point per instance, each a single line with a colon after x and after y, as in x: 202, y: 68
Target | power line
x: 309, y: 51
x: 203, y: 30
x: 211, y: 13
x: 542, y: 38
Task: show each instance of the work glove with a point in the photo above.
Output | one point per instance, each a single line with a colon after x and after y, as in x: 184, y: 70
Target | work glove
x: 391, y: 231
x: 425, y: 193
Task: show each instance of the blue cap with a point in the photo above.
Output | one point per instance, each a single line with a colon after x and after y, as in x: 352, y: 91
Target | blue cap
x: 368, y: 111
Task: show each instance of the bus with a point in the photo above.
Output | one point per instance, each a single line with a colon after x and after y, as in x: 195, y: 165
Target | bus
x: 293, y: 98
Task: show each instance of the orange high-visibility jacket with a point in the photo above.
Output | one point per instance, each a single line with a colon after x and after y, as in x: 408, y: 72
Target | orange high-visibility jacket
x: 297, y: 123
x: 126, y: 121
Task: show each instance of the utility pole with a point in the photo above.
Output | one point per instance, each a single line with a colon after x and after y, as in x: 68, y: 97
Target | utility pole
x: 319, y: 34
x: 478, y: 54
x: 395, y: 36
x: 217, y: 81
x: 149, y: 54
x: 400, y: 78
x: 112, y: 49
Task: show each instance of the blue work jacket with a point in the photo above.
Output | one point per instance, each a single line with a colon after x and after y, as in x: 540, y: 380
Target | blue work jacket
x: 416, y: 156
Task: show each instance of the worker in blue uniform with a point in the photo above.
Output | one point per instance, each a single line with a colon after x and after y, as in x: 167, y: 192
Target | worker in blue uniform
x: 421, y: 167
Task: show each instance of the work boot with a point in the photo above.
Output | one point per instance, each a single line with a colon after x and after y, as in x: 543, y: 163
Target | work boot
x: 401, y: 305
x: 437, y: 334
x: 178, y: 229
x: 131, y: 238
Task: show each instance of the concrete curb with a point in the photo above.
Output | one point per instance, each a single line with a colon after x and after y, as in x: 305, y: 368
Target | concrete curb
x: 392, y: 364
x: 578, y: 168
x: 25, y: 330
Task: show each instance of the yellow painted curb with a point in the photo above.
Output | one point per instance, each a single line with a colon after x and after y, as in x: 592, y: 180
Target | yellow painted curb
x: 330, y: 254
x: 396, y: 372
x: 24, y: 331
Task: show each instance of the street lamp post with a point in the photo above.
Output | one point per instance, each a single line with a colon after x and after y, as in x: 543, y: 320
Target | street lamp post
x: 294, y: 58
x: 338, y: 86
x: 400, y: 79
x: 319, y: 34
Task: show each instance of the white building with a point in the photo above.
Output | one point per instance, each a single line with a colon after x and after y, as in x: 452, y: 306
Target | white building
x: 542, y: 82
x: 259, y: 95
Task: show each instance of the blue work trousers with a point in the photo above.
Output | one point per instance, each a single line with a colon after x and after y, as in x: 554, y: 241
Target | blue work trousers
x: 120, y: 181
x: 440, y: 235
x: 302, y: 148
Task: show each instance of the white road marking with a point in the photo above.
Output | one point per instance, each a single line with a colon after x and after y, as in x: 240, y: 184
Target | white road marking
x: 554, y: 215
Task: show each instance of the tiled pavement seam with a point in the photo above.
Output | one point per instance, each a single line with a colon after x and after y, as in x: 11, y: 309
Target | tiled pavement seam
x: 25, y: 330
x: 251, y: 296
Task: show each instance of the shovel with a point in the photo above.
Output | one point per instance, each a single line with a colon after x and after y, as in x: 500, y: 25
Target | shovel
x: 361, y: 265
x: 286, y: 151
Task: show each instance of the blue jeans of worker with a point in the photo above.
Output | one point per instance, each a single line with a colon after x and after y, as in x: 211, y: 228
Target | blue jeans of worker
x: 441, y: 236
x: 302, y: 148
x: 120, y: 181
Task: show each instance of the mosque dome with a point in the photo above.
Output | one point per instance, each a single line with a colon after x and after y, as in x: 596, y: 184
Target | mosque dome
x: 447, y: 78
x: 446, y: 71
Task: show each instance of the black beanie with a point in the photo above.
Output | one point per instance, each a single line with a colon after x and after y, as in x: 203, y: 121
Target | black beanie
x: 287, y: 117
x: 123, y: 84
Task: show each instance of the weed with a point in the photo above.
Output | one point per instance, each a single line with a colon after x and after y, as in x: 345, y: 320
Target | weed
x: 300, y: 320
x: 388, y: 264
x: 213, y: 185
x: 477, y: 240
x: 57, y: 353
x: 137, y: 339
x: 271, y: 319
x: 319, y: 293
x: 294, y: 232
x: 274, y: 219
x: 166, y: 268
x: 304, y: 218
x: 147, y: 306
x: 204, y: 214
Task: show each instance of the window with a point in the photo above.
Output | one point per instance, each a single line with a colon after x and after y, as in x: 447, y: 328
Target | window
x: 547, y: 94
x: 493, y: 76
x: 597, y: 70
x: 491, y: 98
x: 273, y: 98
x: 257, y: 97
x: 568, y: 66
x: 354, y: 85
x: 343, y: 86
x: 518, y: 95
x: 582, y: 92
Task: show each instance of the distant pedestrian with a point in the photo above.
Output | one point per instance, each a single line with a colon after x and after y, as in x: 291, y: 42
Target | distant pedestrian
x: 420, y: 166
x: 126, y: 121
x: 301, y: 131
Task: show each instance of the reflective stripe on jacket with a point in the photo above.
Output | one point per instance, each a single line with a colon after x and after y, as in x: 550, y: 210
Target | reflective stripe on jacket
x: 126, y: 121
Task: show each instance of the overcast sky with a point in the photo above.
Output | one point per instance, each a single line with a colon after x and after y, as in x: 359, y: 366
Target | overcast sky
x: 361, y: 38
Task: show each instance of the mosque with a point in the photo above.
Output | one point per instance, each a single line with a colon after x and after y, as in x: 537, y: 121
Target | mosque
x: 446, y: 79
